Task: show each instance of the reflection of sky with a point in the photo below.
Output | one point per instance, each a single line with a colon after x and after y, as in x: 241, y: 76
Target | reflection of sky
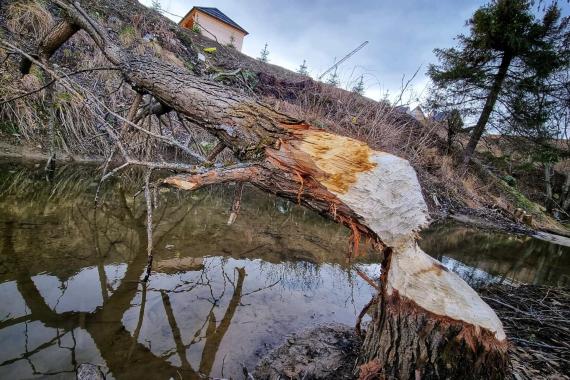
x: 473, y: 276
x: 81, y: 291
x: 12, y: 304
x: 277, y: 299
x: 55, y: 358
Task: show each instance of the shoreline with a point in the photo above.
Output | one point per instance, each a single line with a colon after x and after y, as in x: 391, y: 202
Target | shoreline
x: 479, y: 218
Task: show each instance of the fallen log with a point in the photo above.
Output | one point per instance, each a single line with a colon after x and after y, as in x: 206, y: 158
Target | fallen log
x: 429, y: 323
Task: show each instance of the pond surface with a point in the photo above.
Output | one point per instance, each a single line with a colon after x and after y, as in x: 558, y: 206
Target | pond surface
x: 219, y: 296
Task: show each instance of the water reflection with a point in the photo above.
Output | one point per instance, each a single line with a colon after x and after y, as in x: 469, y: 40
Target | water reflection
x: 481, y: 256
x: 219, y: 295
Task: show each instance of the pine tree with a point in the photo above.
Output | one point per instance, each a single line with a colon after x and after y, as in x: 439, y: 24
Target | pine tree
x: 333, y: 78
x: 359, y: 87
x: 303, y: 68
x: 506, y: 46
x: 232, y: 42
x: 264, y: 54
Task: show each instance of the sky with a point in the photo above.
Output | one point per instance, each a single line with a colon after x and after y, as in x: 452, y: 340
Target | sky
x: 402, y: 36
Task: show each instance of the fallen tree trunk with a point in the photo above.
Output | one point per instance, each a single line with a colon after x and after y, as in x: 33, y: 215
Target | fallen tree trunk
x: 430, y: 323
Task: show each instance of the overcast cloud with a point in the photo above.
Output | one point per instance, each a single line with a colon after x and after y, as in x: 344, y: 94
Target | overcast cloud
x: 401, y: 34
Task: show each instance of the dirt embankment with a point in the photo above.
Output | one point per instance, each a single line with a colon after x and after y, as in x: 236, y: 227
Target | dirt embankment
x: 13, y: 149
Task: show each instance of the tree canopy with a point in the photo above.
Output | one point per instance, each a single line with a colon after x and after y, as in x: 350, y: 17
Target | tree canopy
x: 508, y: 54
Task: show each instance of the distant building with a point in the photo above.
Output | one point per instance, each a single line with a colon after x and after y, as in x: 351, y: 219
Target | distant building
x: 402, y: 109
x: 418, y: 114
x: 215, y: 25
x: 440, y: 116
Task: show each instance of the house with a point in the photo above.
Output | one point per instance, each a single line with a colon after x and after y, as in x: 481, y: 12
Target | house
x: 418, y: 114
x: 214, y: 24
x: 440, y: 116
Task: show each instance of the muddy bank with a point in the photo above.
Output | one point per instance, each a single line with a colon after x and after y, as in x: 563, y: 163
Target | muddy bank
x: 324, y: 352
x: 493, y: 221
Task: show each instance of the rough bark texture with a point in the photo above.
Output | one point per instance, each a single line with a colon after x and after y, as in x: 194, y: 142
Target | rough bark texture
x: 432, y: 323
x: 408, y: 342
x: 50, y: 43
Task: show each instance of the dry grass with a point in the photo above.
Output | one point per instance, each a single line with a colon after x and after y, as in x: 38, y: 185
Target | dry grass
x: 28, y: 17
x: 79, y: 126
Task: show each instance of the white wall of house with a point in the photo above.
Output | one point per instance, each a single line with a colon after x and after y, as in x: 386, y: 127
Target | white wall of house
x: 223, y: 33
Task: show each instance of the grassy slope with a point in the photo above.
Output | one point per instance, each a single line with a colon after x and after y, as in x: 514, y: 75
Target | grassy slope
x: 148, y: 32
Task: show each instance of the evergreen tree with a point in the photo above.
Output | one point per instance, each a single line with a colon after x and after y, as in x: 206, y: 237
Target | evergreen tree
x: 506, y: 46
x: 538, y: 121
x: 232, y: 42
x: 359, y: 87
x: 303, y: 68
x: 333, y: 78
x: 264, y: 54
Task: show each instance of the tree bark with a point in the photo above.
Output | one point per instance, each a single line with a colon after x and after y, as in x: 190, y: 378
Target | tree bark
x: 565, y: 193
x: 487, y: 108
x: 50, y: 43
x: 549, y: 201
x: 431, y: 322
x: 419, y: 333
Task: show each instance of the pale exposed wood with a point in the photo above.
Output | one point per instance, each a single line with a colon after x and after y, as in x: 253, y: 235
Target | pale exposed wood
x: 418, y: 277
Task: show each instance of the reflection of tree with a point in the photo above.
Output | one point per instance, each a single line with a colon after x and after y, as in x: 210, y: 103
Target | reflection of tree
x: 123, y: 354
x: 504, y: 257
x: 215, y: 333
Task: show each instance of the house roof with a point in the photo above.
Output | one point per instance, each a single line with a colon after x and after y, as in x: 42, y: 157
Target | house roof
x: 216, y: 13
x: 440, y: 116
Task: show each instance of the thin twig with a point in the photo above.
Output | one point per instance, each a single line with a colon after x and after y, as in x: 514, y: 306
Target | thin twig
x: 148, y: 198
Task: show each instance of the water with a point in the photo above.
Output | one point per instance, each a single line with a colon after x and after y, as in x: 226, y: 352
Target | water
x: 219, y: 297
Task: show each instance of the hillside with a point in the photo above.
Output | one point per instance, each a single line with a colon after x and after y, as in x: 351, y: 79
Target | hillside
x: 78, y: 131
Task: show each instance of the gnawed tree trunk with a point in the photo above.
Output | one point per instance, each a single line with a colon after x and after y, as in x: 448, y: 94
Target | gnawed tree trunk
x: 430, y: 322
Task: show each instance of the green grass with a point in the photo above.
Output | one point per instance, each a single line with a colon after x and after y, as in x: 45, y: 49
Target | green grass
x: 9, y: 127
